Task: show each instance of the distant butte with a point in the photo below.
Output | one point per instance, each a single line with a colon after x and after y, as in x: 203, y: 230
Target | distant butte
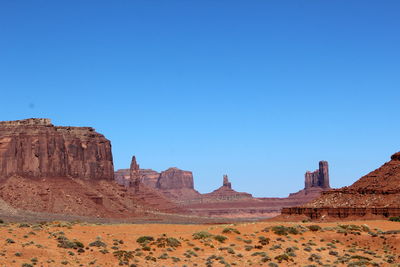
x: 178, y: 186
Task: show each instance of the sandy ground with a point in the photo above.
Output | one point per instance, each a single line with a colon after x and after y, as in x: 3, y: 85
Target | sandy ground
x: 366, y: 243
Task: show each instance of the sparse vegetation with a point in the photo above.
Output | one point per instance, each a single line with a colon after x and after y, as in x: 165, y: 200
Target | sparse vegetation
x: 395, y: 219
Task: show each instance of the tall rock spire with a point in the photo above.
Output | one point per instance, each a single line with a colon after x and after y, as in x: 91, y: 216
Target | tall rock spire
x: 324, y: 174
x: 226, y: 182
x: 134, y: 174
x: 318, y: 178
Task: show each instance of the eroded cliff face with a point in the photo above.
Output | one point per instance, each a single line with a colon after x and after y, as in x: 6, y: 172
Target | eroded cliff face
x: 174, y: 178
x: 35, y: 148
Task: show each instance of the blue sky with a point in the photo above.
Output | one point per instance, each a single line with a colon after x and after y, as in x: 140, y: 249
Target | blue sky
x: 260, y: 90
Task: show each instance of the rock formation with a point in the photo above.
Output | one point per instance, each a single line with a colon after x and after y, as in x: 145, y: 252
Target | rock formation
x: 148, y: 177
x: 225, y: 192
x: 35, y: 148
x: 134, y: 176
x: 174, y: 178
x: 375, y: 194
x: 318, y: 178
x: 173, y: 183
x: 226, y: 182
x: 67, y: 170
x: 177, y: 185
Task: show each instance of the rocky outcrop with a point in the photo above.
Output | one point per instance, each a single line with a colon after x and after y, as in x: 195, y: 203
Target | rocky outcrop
x: 318, y: 178
x: 35, y: 148
x: 226, y: 182
x: 225, y: 193
x: 177, y: 185
x: 173, y: 183
x: 66, y: 170
x: 377, y: 193
x: 134, y: 175
x: 174, y: 178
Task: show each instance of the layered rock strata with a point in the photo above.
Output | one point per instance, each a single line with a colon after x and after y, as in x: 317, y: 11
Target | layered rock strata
x: 36, y: 148
x: 375, y: 194
x: 67, y: 170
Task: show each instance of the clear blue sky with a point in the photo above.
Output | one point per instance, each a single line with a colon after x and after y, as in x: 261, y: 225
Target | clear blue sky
x: 260, y: 90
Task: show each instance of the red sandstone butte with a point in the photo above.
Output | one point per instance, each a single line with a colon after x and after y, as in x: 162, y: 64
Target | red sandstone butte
x: 177, y: 186
x: 36, y: 148
x: 67, y: 170
x: 376, y: 194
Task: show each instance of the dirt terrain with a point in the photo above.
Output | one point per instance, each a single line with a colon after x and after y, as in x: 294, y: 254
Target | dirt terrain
x: 367, y: 243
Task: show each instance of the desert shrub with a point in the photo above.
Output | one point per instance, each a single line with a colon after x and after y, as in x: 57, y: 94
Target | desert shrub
x: 262, y: 254
x: 1, y: 221
x: 10, y: 241
x: 220, y: 238
x: 26, y: 265
x: 263, y: 240
x: 175, y: 259
x: 172, y: 242
x: 150, y: 258
x: 18, y: 254
x: 358, y: 257
x: 97, y: 243
x: 190, y: 253
x: 274, y: 247
x: 314, y: 257
x: 146, y: 248
x: 272, y: 264
x: 395, y: 219
x: 65, y: 243
x: 123, y: 255
x: 265, y: 259
x: 333, y: 253
x: 282, y: 230
x: 23, y: 225
x: 314, y: 228
x: 229, y: 230
x: 144, y: 239
x: 248, y: 248
x: 283, y: 257
x: 201, y: 235
x: 163, y: 256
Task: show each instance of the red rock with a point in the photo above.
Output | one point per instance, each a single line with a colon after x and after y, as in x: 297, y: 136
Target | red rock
x: 377, y: 193
x: 35, y: 148
x: 134, y: 174
x: 318, y: 178
x: 225, y: 192
x: 174, y: 178
x: 67, y: 170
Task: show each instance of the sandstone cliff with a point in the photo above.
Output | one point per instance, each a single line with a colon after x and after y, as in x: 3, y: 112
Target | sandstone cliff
x: 35, y: 148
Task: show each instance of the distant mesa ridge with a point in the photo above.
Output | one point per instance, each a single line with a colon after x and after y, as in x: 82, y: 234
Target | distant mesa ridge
x: 178, y: 185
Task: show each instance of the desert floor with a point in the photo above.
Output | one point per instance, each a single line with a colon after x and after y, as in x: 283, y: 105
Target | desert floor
x: 358, y: 243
